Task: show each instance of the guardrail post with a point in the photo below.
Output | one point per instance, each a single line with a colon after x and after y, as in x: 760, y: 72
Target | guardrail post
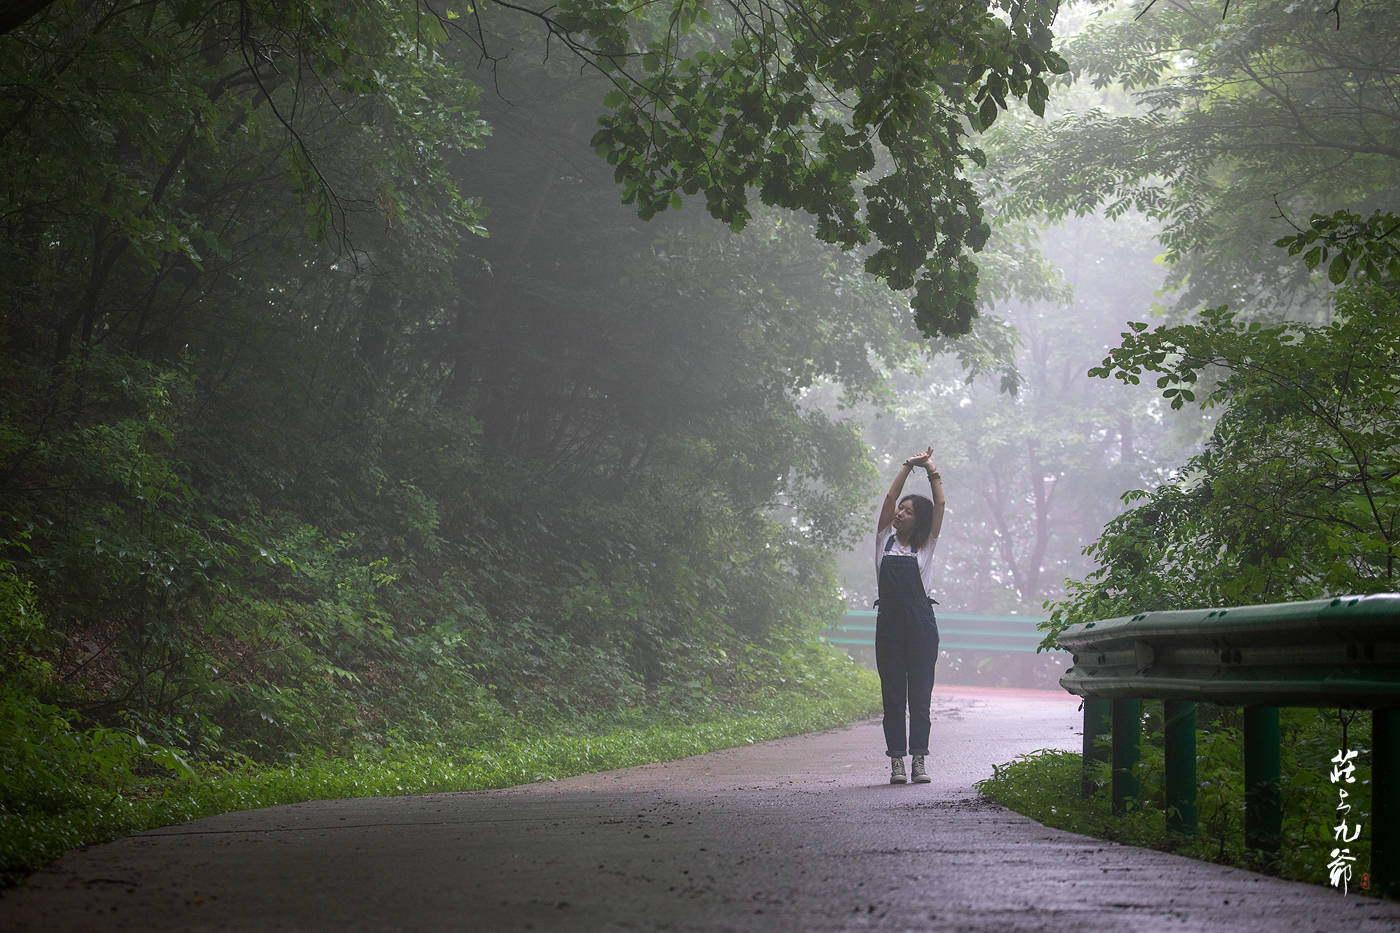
x: 1180, y: 736
x: 1127, y: 733
x: 1263, y: 800
x: 1096, y: 726
x: 1385, y: 808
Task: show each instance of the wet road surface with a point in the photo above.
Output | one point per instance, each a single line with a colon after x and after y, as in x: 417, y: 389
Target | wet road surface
x: 797, y: 834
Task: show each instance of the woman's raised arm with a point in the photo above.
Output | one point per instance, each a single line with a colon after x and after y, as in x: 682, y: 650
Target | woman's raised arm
x: 940, y: 501
x: 892, y: 497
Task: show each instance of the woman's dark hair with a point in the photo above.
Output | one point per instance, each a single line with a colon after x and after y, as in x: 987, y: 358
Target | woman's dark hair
x: 923, y: 521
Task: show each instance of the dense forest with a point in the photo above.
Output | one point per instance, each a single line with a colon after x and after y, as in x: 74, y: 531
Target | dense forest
x: 1226, y: 178
x: 384, y: 372
x: 384, y: 375
x: 1272, y: 160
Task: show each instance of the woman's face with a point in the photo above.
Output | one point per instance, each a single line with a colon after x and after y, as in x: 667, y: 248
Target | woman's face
x: 903, y: 516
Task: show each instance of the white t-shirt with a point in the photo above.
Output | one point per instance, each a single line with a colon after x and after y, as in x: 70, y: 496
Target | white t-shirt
x: 924, y: 556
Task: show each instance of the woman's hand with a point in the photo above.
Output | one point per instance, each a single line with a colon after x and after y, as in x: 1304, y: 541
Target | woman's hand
x: 920, y: 460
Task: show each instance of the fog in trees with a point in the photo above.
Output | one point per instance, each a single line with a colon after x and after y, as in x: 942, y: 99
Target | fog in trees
x: 361, y: 387
x: 346, y: 401
x: 1263, y: 167
x: 1034, y: 474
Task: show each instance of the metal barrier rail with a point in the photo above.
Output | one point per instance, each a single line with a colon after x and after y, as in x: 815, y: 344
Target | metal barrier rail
x: 1342, y: 652
x: 956, y: 631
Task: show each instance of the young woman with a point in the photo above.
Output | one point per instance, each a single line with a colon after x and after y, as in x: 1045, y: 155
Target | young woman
x: 906, y: 633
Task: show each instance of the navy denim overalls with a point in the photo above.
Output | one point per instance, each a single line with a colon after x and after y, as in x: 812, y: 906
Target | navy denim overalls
x: 906, y: 648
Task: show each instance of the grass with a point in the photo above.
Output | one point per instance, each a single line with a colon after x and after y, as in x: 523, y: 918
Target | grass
x: 105, y: 809
x: 1046, y: 786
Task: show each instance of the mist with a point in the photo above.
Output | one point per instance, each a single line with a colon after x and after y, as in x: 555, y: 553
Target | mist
x: 378, y: 383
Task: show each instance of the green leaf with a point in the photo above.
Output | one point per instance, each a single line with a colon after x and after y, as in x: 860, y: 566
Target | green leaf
x: 1337, y: 271
x: 987, y: 114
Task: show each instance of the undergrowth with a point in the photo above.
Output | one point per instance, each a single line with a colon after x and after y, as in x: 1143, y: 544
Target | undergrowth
x: 1046, y: 786
x: 62, y: 787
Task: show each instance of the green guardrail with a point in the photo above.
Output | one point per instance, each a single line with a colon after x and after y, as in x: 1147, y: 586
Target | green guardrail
x: 1342, y: 652
x: 956, y: 632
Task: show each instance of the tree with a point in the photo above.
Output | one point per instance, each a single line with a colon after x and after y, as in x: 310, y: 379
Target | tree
x: 133, y: 136
x: 1297, y: 493
x: 1245, y: 127
x: 1034, y: 475
x: 801, y: 102
x: 302, y: 458
x: 660, y: 369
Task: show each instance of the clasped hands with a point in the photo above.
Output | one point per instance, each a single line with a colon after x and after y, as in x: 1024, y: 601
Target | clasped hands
x: 921, y: 460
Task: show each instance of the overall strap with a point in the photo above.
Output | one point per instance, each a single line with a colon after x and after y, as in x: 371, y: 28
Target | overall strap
x: 889, y: 544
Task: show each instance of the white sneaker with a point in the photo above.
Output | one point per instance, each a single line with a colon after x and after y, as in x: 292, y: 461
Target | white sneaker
x: 897, y: 771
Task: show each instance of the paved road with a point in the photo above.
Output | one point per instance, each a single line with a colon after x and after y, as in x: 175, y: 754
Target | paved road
x: 797, y: 834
